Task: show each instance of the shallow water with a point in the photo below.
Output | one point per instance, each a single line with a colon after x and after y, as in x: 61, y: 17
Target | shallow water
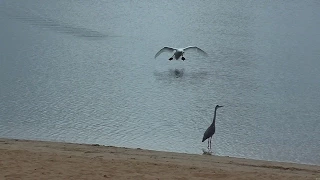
x: 85, y: 72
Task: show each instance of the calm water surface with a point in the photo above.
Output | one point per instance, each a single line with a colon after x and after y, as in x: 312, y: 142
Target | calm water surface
x: 84, y: 71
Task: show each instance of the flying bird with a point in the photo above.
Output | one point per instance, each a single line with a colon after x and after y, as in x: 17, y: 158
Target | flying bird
x: 211, y: 129
x: 178, y: 52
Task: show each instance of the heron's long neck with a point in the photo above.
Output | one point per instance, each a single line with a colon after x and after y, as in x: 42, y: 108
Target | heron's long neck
x: 214, y: 117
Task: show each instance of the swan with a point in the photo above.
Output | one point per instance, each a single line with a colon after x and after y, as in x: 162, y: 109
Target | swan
x: 178, y: 52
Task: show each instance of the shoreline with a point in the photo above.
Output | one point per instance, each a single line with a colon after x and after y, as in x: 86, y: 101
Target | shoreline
x: 30, y: 159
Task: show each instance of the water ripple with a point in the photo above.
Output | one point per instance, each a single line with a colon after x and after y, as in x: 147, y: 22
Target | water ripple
x: 31, y: 17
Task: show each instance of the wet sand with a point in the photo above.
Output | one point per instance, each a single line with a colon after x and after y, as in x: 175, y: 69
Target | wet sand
x: 24, y: 159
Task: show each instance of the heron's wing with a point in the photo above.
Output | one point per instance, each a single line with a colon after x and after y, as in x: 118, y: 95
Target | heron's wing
x: 165, y: 49
x: 196, y: 49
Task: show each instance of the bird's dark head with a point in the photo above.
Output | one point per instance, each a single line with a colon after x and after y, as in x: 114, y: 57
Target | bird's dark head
x: 217, y: 106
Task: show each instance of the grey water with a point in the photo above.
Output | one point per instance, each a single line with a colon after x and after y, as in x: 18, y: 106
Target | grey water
x: 84, y: 72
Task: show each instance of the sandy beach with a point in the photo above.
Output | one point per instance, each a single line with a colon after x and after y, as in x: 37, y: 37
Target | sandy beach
x: 24, y: 159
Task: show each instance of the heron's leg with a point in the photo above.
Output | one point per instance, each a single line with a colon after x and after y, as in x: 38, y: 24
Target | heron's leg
x: 171, y: 57
x: 208, y: 142
x: 183, y: 57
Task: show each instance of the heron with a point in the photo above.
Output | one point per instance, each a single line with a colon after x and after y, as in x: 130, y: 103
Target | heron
x: 178, y: 52
x: 211, y: 129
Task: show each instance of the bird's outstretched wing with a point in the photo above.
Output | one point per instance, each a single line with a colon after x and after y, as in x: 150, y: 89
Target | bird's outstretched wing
x: 196, y: 49
x: 165, y: 49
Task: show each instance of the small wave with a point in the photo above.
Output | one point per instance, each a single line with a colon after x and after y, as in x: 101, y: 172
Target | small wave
x: 54, y: 25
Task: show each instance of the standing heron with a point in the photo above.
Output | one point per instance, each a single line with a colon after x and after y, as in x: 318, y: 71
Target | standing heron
x: 211, y: 129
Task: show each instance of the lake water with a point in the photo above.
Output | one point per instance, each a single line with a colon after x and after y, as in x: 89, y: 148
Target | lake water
x: 84, y: 71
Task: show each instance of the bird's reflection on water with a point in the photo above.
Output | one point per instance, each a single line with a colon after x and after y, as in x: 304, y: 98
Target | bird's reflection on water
x: 178, y: 73
x: 181, y: 73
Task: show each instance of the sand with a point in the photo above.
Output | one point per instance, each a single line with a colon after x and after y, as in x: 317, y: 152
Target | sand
x: 24, y: 159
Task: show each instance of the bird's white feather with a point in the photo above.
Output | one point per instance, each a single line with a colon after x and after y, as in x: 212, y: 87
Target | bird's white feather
x: 165, y: 49
x: 179, y: 51
x: 198, y: 50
